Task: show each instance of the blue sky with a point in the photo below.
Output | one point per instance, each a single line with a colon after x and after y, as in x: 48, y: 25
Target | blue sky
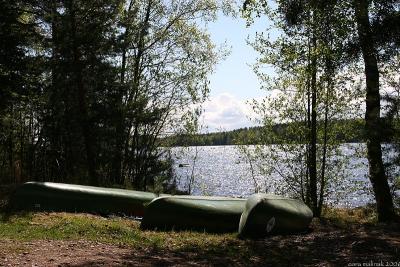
x: 233, y: 82
x: 234, y: 74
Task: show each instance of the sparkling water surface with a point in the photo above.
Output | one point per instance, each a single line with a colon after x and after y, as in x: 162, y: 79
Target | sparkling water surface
x: 222, y: 171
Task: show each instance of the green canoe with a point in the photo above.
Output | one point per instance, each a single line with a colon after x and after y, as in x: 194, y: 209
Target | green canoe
x: 270, y: 214
x: 79, y: 198
x: 211, y: 214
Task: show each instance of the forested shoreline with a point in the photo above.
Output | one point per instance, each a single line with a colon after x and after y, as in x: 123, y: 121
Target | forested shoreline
x: 252, y: 135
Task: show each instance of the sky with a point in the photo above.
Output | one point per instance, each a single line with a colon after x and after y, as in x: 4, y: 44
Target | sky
x: 233, y: 82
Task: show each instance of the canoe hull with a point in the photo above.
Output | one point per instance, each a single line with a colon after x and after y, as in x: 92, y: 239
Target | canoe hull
x: 210, y: 214
x: 39, y: 196
x: 267, y: 214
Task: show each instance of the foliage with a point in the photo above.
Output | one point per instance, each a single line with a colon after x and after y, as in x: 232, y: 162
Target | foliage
x: 89, y: 87
x: 309, y: 93
x: 322, y: 44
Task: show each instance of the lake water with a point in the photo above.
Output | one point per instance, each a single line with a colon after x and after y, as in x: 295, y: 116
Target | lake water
x: 222, y: 171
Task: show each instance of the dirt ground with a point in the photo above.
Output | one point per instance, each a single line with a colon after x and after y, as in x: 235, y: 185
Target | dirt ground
x: 326, y: 245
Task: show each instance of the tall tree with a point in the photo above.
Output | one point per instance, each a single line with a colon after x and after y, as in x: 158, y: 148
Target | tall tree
x: 377, y: 173
x: 19, y: 74
x: 307, y: 57
x: 90, y: 86
x: 363, y: 34
x: 165, y: 58
x: 80, y: 39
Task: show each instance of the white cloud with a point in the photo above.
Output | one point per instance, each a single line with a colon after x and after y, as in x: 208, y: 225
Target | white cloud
x: 226, y: 112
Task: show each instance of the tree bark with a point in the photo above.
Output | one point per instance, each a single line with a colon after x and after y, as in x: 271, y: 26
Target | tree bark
x: 139, y: 181
x: 120, y: 126
x: 329, y: 87
x: 313, y: 135
x: 82, y: 102
x: 384, y: 201
x: 307, y: 177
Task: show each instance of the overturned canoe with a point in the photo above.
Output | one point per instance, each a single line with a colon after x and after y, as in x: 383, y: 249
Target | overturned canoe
x: 266, y: 214
x: 79, y: 198
x: 211, y: 214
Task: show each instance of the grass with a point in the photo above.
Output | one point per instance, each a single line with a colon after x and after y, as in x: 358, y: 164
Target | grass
x: 340, y: 228
x: 339, y: 237
x: 63, y: 226
x: 343, y: 218
x: 116, y: 230
x: 119, y: 231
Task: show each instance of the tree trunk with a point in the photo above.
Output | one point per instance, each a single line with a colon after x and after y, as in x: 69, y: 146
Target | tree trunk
x: 138, y: 162
x: 82, y: 103
x: 120, y: 126
x: 329, y: 87
x: 307, y: 177
x: 11, y: 151
x: 377, y: 174
x: 313, y: 135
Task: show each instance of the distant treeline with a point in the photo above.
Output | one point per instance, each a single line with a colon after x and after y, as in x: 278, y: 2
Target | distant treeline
x: 251, y: 136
